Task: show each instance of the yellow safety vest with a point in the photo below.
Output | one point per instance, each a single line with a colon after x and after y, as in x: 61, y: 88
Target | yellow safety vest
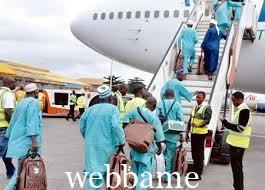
x: 20, y: 95
x: 80, y: 102
x: 240, y: 139
x: 3, y: 121
x: 73, y: 99
x: 198, y: 118
x: 41, y: 100
x: 120, y: 104
x: 134, y: 103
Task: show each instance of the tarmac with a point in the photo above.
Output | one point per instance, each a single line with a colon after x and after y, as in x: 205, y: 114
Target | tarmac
x: 63, y: 152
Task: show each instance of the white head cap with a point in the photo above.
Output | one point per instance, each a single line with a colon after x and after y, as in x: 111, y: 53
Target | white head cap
x: 189, y: 22
x: 213, y: 22
x: 30, y: 87
x: 104, y: 91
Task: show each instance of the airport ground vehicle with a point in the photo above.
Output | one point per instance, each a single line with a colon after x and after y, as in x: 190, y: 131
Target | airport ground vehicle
x: 57, y: 101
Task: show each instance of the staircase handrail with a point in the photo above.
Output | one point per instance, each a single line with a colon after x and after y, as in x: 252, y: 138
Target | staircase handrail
x: 219, y: 87
x: 172, y: 45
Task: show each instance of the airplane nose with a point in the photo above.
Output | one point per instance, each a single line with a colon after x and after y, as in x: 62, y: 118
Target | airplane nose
x: 78, y: 27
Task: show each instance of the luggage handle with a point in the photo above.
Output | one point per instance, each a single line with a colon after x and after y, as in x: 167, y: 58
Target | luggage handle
x: 32, y: 154
x: 120, y: 149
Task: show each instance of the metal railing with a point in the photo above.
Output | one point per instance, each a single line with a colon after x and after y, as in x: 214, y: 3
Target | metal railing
x: 196, y: 15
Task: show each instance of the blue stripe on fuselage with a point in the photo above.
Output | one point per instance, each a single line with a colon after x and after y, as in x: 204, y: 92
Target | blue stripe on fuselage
x: 262, y: 13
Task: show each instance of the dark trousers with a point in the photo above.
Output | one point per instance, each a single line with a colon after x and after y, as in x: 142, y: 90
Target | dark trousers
x: 197, y: 149
x: 3, y: 149
x: 71, y: 112
x: 9, y: 165
x: 81, y: 111
x: 236, y: 158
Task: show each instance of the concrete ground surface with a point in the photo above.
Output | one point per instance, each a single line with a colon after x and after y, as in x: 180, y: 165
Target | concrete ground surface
x: 63, y: 152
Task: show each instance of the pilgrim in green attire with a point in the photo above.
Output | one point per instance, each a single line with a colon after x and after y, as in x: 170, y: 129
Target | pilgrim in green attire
x: 142, y: 162
x: 102, y: 131
x: 24, y: 130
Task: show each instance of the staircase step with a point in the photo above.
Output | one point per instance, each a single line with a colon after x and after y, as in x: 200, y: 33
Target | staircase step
x: 207, y: 84
x: 194, y: 99
x: 193, y: 89
x: 198, y: 77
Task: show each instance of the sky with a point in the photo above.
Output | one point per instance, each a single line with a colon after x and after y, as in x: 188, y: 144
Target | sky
x: 37, y: 32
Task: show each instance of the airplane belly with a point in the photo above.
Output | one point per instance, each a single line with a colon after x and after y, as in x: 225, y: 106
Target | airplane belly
x: 141, y: 45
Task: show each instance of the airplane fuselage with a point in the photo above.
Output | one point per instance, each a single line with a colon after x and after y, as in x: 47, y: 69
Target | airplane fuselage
x: 136, y: 33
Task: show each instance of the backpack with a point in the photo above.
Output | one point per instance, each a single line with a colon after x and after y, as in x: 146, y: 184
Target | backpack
x: 139, y: 135
x: 116, y: 161
x: 180, y: 163
x: 31, y: 173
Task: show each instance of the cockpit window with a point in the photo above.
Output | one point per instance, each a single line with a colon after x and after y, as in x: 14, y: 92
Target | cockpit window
x: 176, y: 13
x: 111, y: 15
x: 128, y: 14
x: 166, y: 14
x: 103, y: 16
x: 137, y: 14
x: 95, y: 16
x: 147, y: 14
x: 156, y: 14
x: 186, y: 13
x: 120, y: 15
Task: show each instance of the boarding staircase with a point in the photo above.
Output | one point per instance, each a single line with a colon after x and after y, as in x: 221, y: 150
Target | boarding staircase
x: 216, y: 89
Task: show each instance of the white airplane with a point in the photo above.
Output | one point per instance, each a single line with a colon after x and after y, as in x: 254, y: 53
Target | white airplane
x: 133, y: 32
x: 138, y: 33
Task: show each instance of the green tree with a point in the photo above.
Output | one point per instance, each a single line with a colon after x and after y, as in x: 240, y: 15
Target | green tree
x: 116, y: 81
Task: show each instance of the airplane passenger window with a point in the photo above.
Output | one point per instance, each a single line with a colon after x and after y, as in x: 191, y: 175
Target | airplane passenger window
x: 186, y: 13
x: 103, y: 16
x: 120, y: 15
x: 137, y: 14
x: 156, y: 14
x: 95, y: 16
x: 129, y: 14
x: 111, y: 15
x: 147, y: 14
x: 166, y: 14
x: 176, y: 13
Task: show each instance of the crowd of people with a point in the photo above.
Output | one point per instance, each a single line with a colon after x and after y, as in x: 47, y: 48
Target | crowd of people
x: 219, y: 26
x: 102, y: 124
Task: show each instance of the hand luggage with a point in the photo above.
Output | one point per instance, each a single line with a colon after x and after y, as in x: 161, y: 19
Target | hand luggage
x: 178, y: 62
x: 117, y: 162
x: 180, y: 163
x: 31, y: 173
x: 139, y: 135
x: 200, y: 65
x: 174, y: 127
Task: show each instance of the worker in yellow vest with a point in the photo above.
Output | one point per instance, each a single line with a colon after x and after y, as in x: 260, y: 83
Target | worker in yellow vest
x: 139, y: 92
x: 117, y: 99
x: 200, y: 118
x: 73, y: 103
x: 20, y: 94
x: 238, y: 137
x: 81, y: 105
x: 41, y: 99
x: 7, y: 104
